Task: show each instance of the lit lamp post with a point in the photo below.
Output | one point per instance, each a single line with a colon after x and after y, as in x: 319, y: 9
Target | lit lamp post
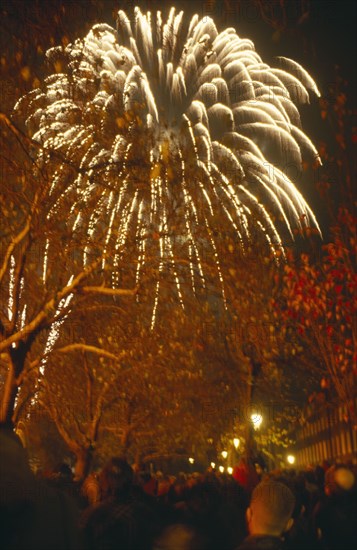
x: 250, y: 350
x: 257, y: 420
x: 291, y: 459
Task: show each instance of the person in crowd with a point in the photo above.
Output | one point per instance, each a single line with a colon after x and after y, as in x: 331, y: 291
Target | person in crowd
x: 121, y: 519
x: 311, y: 484
x: 62, y: 478
x: 148, y: 483
x: 269, y: 515
x: 335, y: 514
x: 301, y: 534
x: 90, y: 489
x: 163, y: 487
x: 33, y: 515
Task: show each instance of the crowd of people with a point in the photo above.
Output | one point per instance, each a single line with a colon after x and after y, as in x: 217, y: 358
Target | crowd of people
x: 124, y: 508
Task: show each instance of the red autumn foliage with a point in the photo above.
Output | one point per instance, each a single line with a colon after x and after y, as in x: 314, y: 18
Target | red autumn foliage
x: 320, y: 301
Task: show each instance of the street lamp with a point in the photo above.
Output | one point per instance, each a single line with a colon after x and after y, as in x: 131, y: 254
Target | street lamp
x: 191, y: 460
x: 221, y: 469
x: 291, y: 459
x: 230, y: 470
x: 236, y: 442
x: 257, y: 419
x: 213, y: 465
x: 224, y: 454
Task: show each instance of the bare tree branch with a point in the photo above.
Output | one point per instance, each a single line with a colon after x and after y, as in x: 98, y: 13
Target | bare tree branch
x: 87, y: 347
x: 16, y: 240
x: 52, y: 411
x: 89, y: 378
x: 49, y: 307
x: 108, y: 291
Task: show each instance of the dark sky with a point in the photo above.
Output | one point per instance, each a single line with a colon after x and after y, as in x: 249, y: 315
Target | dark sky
x: 323, y: 37
x: 328, y: 27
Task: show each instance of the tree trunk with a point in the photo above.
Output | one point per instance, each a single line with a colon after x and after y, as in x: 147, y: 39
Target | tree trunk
x: 125, y: 441
x: 83, y: 462
x: 7, y: 404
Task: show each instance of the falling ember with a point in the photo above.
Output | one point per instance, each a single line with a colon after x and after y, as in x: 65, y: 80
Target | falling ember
x: 166, y: 123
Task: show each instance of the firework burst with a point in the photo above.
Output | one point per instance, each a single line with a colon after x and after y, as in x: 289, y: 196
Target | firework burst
x: 175, y: 130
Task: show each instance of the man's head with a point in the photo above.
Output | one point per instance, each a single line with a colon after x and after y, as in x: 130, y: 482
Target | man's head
x: 270, y: 509
x: 339, y: 480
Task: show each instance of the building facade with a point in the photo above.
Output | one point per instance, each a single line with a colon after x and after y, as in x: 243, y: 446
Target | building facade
x: 326, y: 435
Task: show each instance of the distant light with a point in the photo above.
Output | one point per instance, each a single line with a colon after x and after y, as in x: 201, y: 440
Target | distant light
x: 191, y: 460
x: 224, y: 454
x: 291, y: 459
x: 257, y: 419
x: 230, y: 470
x: 221, y: 469
x: 236, y: 442
x: 213, y: 464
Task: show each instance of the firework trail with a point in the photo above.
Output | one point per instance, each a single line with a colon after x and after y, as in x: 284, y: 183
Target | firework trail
x: 178, y: 132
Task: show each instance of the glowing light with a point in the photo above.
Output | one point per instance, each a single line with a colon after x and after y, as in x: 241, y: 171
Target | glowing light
x: 291, y: 459
x: 236, y: 442
x: 166, y: 125
x: 11, y: 287
x: 213, y: 465
x: 257, y: 420
x: 191, y: 460
x: 221, y: 469
x: 230, y: 470
x: 55, y: 329
x: 224, y: 454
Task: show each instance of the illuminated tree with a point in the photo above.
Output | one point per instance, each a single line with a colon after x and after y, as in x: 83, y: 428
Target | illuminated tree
x: 148, y: 395
x: 37, y: 293
x: 320, y: 297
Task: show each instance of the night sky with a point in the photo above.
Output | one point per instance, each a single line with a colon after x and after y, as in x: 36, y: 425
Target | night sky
x: 328, y: 28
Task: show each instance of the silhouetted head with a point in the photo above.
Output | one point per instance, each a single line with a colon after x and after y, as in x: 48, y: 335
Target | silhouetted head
x: 271, y: 507
x: 116, y: 478
x: 339, y: 480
